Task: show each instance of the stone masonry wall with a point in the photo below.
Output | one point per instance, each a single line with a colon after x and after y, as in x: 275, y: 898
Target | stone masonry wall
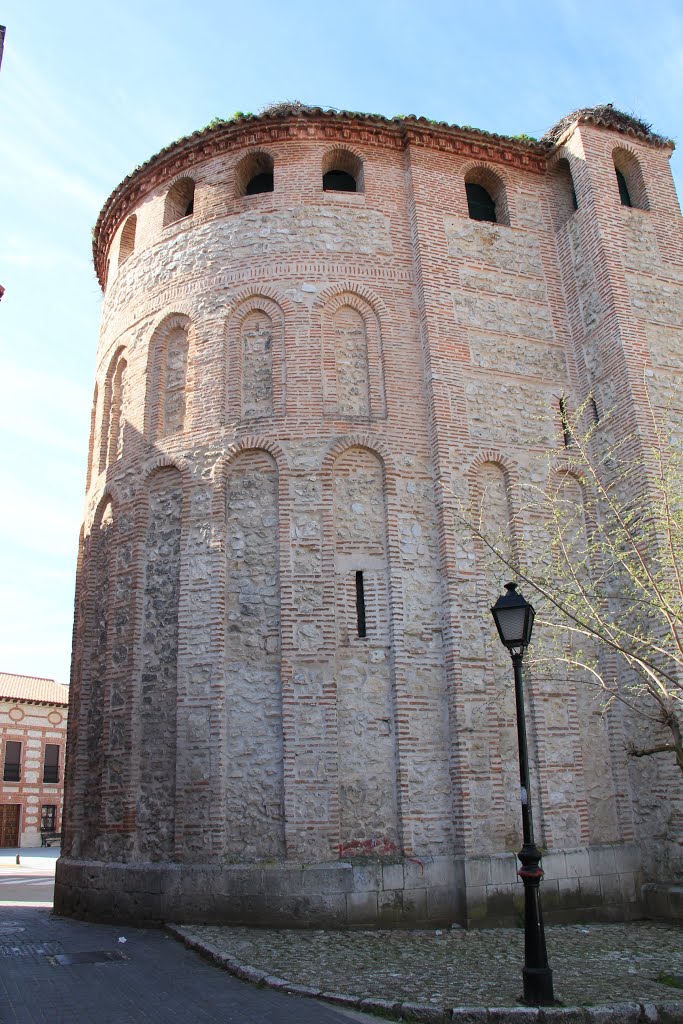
x: 291, y: 707
x: 365, y: 704
x: 253, y: 704
x: 157, y: 725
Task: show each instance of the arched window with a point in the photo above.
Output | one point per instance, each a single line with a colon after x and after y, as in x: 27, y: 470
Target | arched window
x: 630, y: 181
x: 565, y: 423
x: 179, y: 201
x: 127, y: 243
x: 563, y: 192
x: 480, y: 203
x: 254, y: 174
x: 486, y: 197
x: 624, y: 194
x: 342, y: 171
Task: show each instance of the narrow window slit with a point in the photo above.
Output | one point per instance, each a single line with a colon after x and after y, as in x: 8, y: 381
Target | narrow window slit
x: 566, y: 429
x: 360, y: 604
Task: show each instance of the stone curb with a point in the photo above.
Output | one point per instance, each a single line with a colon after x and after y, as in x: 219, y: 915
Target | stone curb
x: 666, y: 1012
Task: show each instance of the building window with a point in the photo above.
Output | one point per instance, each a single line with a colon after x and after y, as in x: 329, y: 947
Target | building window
x: 261, y: 182
x: 486, y: 195
x: 563, y: 193
x: 630, y: 181
x: 480, y: 204
x: 342, y: 171
x: 127, y: 243
x: 566, y: 426
x: 51, y: 763
x: 48, y: 818
x: 623, y: 189
x: 254, y: 174
x: 179, y: 201
x: 12, y: 772
x: 339, y: 181
x: 361, y: 625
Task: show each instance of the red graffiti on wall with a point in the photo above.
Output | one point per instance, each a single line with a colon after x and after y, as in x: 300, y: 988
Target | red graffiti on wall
x: 369, y: 848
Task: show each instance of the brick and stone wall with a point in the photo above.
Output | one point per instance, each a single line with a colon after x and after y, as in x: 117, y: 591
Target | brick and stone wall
x: 288, y: 706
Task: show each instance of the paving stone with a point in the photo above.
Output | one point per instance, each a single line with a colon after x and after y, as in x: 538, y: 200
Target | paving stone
x: 469, y: 1015
x: 594, y: 965
x: 617, y: 1013
x: 513, y: 1015
x: 424, y: 1014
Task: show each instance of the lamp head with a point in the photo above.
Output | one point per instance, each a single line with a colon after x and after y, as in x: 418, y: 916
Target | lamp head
x: 514, y: 619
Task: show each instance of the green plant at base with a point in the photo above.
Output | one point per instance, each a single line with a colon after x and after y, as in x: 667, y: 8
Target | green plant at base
x: 672, y: 980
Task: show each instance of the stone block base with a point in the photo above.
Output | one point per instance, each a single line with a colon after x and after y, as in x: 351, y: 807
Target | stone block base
x: 589, y: 884
x: 663, y: 900
x: 408, y: 893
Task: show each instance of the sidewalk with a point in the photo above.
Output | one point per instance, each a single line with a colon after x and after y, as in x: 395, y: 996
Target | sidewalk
x: 606, y: 974
x: 59, y: 971
x: 37, y: 858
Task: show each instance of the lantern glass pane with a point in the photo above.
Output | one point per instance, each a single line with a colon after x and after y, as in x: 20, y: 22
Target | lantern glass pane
x: 512, y: 623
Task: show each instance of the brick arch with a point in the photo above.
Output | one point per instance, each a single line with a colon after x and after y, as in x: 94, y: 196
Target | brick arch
x: 163, y: 461
x: 156, y: 373
x: 112, y: 405
x: 627, y: 161
x: 248, y: 443
x: 507, y: 464
x: 176, y: 318
x: 563, y: 194
x: 257, y: 300
x: 176, y: 199
x: 118, y: 352
x: 259, y: 160
x: 496, y: 182
x: 338, y: 403
x: 563, y: 153
x: 127, y: 238
x: 511, y: 472
x: 370, y: 442
x: 110, y: 496
x: 563, y: 471
x: 345, y: 158
x: 147, y: 474
x: 238, y: 361
x: 352, y: 292
x: 265, y: 291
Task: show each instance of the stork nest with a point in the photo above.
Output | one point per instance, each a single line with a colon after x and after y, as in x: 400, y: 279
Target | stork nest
x: 606, y: 116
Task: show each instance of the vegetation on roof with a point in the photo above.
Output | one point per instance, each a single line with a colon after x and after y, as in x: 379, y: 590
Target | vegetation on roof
x: 606, y: 115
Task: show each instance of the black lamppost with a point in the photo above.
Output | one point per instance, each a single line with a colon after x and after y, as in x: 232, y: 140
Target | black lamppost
x: 514, y: 619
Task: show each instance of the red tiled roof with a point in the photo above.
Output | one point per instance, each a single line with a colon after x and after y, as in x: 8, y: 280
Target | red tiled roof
x: 33, y: 689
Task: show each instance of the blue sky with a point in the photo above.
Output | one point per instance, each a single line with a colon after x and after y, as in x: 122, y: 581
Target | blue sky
x: 87, y: 92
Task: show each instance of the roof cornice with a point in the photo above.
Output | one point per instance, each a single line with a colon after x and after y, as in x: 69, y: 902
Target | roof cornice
x: 297, y: 121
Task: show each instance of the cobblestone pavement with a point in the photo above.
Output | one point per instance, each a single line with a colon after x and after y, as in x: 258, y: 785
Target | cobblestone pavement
x: 592, y: 964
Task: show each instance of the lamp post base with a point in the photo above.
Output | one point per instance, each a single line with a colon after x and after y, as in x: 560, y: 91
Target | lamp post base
x: 538, y: 986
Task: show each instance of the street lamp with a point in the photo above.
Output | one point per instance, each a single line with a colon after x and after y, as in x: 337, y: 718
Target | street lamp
x: 514, y: 619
